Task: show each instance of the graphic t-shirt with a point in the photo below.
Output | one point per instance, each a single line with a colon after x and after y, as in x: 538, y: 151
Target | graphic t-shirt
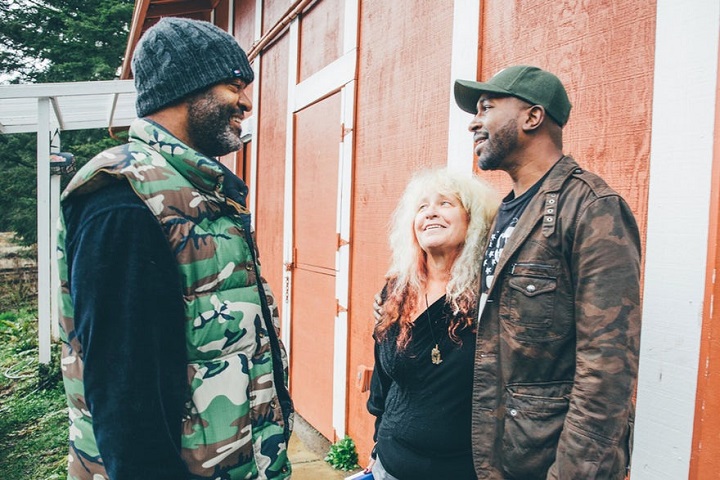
x: 508, y: 216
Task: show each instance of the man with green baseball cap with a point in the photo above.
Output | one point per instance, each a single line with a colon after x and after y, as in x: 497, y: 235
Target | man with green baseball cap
x: 531, y: 84
x: 559, y: 314
x: 527, y: 83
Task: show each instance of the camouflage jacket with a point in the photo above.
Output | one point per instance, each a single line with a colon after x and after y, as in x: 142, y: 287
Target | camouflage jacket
x: 558, y: 338
x: 238, y: 414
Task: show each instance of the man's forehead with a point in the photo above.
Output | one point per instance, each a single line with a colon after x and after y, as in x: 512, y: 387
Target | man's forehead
x: 490, y: 96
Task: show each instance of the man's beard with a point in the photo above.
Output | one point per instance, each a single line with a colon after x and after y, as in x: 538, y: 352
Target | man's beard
x: 209, y: 125
x: 498, y: 146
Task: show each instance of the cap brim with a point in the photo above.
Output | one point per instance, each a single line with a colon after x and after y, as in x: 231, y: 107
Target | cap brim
x: 467, y: 93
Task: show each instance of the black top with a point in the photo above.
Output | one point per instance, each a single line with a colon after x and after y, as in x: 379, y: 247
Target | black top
x: 423, y: 410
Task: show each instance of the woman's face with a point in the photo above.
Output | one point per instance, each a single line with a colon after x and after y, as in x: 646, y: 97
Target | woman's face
x: 441, y: 223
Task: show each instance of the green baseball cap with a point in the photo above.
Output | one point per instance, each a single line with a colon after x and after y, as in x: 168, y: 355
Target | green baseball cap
x: 525, y: 82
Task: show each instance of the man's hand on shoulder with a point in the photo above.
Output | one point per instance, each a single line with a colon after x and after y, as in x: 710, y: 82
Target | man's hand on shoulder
x: 377, y: 307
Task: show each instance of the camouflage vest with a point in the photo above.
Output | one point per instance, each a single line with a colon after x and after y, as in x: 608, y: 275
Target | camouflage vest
x: 235, y: 427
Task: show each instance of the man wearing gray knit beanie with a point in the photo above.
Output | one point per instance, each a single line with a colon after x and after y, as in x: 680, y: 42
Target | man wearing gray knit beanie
x: 172, y: 362
x: 174, y: 64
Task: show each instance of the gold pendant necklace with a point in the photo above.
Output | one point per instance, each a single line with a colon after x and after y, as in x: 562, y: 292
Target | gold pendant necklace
x: 435, y: 352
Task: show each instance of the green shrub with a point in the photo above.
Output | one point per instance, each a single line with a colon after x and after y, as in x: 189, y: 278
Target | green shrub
x: 343, y: 455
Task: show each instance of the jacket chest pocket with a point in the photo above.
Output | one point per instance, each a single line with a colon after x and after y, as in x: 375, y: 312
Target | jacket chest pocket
x: 530, y: 306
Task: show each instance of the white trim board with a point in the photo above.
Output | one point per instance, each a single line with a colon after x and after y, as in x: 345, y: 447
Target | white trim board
x: 466, y: 38
x: 325, y: 82
x: 344, y: 210
x: 288, y: 239
x: 677, y: 235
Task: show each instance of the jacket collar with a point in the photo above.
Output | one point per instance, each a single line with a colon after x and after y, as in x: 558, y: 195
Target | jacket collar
x: 203, y: 172
x: 558, y: 174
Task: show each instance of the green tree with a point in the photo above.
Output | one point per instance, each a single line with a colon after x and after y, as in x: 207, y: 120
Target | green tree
x: 53, y: 41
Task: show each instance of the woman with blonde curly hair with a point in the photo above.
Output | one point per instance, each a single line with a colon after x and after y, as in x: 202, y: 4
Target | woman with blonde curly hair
x: 421, y: 386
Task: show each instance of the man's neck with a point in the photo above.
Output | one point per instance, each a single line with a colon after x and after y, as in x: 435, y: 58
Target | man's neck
x: 526, y: 174
x: 174, y: 120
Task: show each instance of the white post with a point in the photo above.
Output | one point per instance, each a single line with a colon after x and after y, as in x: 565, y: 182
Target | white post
x: 43, y: 228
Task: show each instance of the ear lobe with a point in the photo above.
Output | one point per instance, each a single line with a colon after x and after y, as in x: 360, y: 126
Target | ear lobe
x: 535, y: 117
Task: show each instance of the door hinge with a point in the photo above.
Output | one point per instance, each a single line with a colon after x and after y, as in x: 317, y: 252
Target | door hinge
x: 339, y: 308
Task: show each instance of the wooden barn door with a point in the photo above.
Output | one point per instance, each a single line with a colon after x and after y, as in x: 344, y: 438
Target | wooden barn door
x: 317, y: 135
x: 318, y: 174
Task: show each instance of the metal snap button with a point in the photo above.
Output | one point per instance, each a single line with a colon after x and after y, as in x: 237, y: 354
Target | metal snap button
x: 513, y: 412
x: 530, y: 288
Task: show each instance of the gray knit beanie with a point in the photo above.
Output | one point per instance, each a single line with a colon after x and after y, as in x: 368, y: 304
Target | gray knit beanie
x: 179, y: 56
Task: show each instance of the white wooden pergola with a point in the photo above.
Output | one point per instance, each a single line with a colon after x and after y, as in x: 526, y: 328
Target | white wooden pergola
x: 46, y: 109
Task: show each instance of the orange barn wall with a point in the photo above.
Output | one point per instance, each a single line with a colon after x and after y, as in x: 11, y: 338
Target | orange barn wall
x: 705, y: 461
x: 401, y: 124
x: 604, y: 54
x: 271, y: 130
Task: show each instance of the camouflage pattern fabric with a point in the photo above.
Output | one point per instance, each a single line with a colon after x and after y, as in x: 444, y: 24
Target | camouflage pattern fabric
x: 235, y: 425
x: 558, y: 338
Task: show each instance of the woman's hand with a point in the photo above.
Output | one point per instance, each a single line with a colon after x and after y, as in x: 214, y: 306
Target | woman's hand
x: 371, y: 462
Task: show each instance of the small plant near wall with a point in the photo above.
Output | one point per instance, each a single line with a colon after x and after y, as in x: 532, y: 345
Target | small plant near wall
x: 343, y: 455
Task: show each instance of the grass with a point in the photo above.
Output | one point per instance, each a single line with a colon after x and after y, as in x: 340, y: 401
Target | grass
x: 33, y: 413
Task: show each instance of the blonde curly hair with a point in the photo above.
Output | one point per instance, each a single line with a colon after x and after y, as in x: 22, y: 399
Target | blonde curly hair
x: 407, y: 274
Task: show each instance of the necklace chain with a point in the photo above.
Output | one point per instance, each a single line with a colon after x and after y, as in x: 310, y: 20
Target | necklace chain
x: 435, y: 353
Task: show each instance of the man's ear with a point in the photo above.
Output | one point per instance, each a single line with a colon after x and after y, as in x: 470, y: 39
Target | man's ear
x: 534, y: 117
